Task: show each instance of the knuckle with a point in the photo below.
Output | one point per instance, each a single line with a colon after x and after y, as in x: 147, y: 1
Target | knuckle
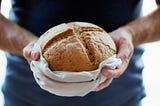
x: 26, y: 53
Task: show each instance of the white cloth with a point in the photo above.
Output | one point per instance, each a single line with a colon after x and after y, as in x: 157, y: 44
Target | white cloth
x: 69, y: 84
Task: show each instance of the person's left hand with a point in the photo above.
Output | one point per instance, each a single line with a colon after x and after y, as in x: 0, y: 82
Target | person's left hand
x: 124, y: 44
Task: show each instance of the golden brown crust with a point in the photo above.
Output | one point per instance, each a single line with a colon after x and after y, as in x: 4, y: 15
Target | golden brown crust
x: 76, y: 46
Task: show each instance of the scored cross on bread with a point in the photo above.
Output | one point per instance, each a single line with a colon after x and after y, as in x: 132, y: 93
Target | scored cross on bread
x: 76, y: 46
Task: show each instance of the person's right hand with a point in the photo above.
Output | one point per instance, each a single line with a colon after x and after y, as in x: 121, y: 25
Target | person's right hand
x: 29, y: 53
x: 125, y: 49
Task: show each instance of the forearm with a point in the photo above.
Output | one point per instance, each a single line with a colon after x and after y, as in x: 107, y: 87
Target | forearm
x: 146, y: 29
x: 13, y: 38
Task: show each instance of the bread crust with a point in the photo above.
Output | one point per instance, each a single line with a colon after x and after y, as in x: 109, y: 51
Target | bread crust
x: 76, y: 46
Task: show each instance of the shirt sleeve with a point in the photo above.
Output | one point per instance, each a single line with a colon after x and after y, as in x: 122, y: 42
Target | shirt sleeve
x: 0, y: 4
x: 158, y: 2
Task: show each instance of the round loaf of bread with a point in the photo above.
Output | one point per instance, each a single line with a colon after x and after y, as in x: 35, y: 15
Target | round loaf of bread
x: 76, y: 46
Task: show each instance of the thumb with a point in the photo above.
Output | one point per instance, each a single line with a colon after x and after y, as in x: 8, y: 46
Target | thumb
x: 29, y: 53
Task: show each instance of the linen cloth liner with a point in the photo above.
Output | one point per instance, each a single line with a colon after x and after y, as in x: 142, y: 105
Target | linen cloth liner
x: 69, y: 84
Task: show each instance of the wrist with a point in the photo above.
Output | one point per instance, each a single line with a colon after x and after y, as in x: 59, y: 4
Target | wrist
x: 15, y: 39
x: 127, y: 30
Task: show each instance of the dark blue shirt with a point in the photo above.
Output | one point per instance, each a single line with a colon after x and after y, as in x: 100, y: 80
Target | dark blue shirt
x: 38, y: 16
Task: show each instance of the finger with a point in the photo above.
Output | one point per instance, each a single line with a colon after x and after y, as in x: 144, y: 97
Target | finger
x: 119, y: 71
x: 35, y: 55
x: 29, y: 53
x: 104, y: 84
x: 108, y: 72
x: 124, y: 53
x: 114, y: 73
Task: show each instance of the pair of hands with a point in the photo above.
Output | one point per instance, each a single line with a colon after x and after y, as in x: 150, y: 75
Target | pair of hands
x: 123, y: 41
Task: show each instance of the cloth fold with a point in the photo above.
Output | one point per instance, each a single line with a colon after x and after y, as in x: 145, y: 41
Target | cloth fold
x: 69, y: 84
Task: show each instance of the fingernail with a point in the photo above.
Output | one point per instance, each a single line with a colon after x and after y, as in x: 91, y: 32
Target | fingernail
x: 33, y: 54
